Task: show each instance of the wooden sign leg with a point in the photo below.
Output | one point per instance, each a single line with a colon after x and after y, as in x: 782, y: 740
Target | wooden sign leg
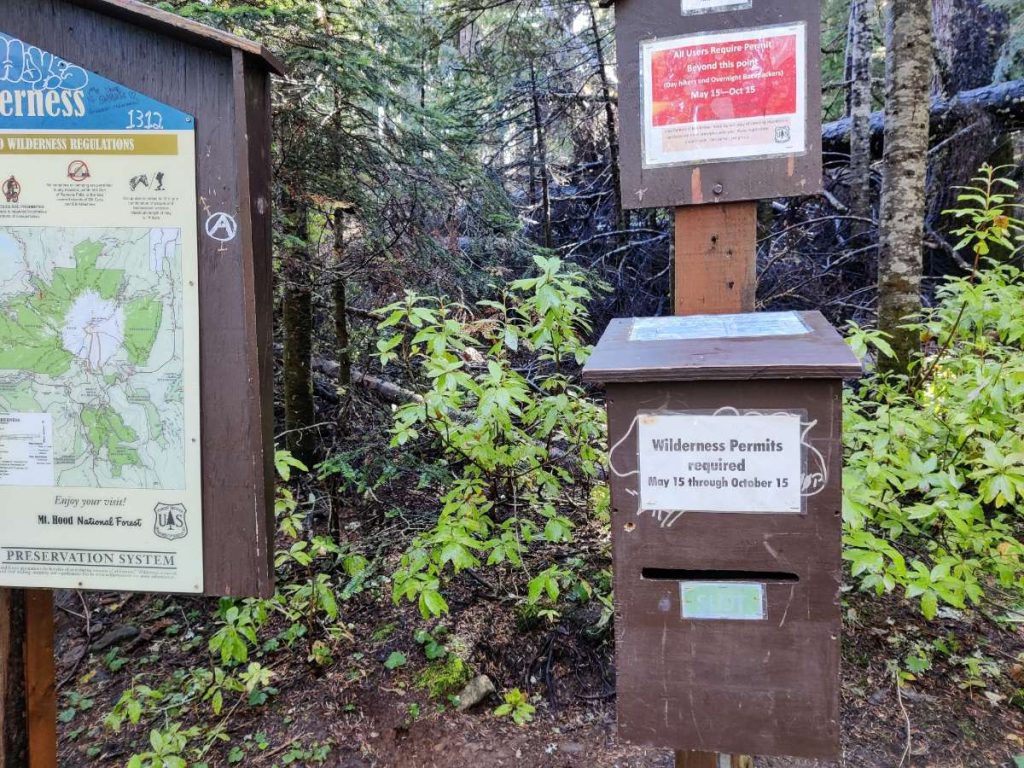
x: 40, y: 679
x: 715, y: 274
x: 13, y: 724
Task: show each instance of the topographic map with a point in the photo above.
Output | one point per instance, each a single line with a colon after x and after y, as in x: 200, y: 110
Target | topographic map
x: 91, y: 358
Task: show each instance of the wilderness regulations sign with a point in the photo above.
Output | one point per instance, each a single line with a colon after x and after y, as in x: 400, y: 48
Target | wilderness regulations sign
x: 100, y: 470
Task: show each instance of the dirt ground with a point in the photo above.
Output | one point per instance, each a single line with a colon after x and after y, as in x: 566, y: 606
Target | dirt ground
x: 366, y: 716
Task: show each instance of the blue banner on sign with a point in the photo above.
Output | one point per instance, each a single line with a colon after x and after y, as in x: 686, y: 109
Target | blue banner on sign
x: 42, y: 92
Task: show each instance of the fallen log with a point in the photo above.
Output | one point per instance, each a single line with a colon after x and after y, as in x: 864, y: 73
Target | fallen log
x: 387, y: 390
x: 365, y: 314
x: 392, y: 393
x: 1002, y: 103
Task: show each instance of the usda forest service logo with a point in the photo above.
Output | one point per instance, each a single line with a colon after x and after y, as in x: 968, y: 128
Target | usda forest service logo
x: 170, y: 521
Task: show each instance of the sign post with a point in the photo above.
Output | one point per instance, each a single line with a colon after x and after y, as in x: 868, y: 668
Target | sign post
x: 13, y: 703
x: 719, y: 107
x: 719, y: 101
x: 40, y: 679
x: 135, y: 322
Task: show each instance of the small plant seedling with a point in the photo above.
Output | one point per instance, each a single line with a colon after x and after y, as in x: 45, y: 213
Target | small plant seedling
x: 517, y: 706
x: 114, y: 660
x: 76, y: 703
x: 395, y: 660
x: 433, y: 649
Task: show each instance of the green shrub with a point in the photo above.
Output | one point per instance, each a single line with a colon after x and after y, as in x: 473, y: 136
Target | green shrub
x: 934, y: 478
x: 500, y: 404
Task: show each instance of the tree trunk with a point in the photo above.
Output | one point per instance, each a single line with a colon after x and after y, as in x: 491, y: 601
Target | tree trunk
x: 467, y: 40
x: 862, y: 18
x: 540, y: 140
x: 338, y: 291
x: 901, y: 220
x: 13, y: 708
x: 609, y: 116
x: 968, y: 38
x: 298, y: 333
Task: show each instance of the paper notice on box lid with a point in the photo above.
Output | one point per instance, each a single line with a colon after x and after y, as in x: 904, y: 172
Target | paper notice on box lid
x: 695, y: 327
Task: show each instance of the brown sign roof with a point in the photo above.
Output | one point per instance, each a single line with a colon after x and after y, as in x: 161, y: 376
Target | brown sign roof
x: 172, y: 25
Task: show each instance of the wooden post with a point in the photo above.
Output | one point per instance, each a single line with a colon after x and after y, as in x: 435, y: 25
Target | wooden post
x: 716, y: 259
x: 28, y: 683
x: 40, y: 679
x: 13, y: 720
x: 715, y: 274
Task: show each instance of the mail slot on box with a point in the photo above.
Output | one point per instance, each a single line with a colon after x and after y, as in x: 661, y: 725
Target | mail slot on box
x: 725, y: 467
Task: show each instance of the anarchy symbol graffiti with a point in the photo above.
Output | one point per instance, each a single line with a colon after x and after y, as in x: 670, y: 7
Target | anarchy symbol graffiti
x: 222, y: 227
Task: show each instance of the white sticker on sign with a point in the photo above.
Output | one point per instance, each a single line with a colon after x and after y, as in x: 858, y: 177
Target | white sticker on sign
x: 757, y: 325
x: 696, y: 7
x: 26, y: 449
x: 726, y: 463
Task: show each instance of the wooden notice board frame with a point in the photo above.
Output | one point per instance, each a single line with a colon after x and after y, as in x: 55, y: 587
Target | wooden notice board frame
x: 722, y: 181
x: 224, y: 81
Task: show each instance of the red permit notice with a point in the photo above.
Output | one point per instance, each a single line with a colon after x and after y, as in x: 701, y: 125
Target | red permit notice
x: 756, y: 77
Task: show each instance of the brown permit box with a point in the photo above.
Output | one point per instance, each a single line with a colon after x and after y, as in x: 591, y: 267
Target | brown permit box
x: 727, y: 620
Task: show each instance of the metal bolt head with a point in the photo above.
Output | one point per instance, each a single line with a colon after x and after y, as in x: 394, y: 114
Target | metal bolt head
x: 718, y: 189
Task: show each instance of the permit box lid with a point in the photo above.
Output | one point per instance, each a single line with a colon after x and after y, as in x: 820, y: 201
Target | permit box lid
x: 760, y: 345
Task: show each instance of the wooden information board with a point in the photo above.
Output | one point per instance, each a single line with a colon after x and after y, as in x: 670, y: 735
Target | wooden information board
x: 135, y: 302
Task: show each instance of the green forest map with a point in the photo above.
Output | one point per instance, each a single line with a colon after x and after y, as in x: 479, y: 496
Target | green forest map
x: 91, y: 336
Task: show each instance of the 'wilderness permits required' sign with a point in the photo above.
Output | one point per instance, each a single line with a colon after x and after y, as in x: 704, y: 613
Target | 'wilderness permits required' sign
x: 100, y: 469
x: 720, y: 463
x: 726, y: 96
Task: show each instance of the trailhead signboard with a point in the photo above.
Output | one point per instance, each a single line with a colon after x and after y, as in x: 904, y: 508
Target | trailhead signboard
x: 136, y: 337
x: 136, y: 277
x: 100, y: 444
